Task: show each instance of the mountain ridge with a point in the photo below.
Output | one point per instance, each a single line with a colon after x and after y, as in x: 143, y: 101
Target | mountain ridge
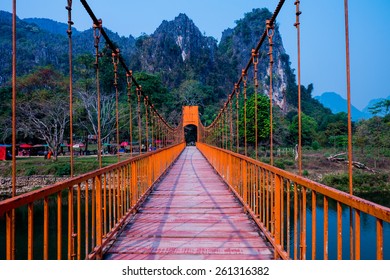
x: 176, y: 52
x: 51, y: 26
x: 337, y: 104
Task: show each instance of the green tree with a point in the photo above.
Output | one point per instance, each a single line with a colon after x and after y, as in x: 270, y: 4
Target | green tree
x: 84, y: 72
x: 362, y: 135
x: 157, y: 93
x: 380, y: 107
x: 5, y: 114
x: 191, y: 93
x: 309, y: 129
x: 374, y: 132
x: 263, y: 119
x: 43, y: 107
x: 333, y: 130
x: 195, y: 93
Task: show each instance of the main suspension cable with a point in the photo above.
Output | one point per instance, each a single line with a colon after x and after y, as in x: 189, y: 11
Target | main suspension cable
x: 253, y: 60
x: 111, y: 45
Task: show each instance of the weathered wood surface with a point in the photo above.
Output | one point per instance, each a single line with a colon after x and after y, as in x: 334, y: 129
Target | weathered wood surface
x: 191, y: 214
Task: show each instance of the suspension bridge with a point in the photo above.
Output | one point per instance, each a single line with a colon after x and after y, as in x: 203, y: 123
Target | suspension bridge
x: 209, y: 201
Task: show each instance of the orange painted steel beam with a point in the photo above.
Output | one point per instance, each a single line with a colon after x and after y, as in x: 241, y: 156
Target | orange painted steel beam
x: 357, y: 235
x: 339, y: 232
x: 278, y: 213
x: 99, y: 218
x: 326, y: 229
x: 314, y: 225
x: 46, y: 228
x: 78, y: 222
x: 30, y: 232
x: 59, y: 225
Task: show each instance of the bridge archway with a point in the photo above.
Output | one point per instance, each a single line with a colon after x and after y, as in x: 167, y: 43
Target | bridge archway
x: 191, y: 134
x: 191, y: 123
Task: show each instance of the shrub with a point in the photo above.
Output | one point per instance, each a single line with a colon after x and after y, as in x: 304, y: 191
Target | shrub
x: 315, y: 145
x: 361, y: 181
x: 62, y: 170
x: 31, y: 171
x: 280, y: 164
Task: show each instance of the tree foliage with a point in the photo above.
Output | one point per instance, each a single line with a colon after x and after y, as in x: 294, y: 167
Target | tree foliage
x: 381, y: 107
x: 374, y: 132
x: 263, y: 119
x: 5, y: 114
x: 43, y: 107
x: 309, y: 129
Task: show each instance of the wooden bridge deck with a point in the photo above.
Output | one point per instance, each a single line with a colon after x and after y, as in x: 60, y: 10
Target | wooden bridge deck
x: 191, y: 214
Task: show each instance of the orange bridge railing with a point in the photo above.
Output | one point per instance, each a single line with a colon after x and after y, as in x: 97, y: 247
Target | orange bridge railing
x: 77, y: 218
x: 294, y: 212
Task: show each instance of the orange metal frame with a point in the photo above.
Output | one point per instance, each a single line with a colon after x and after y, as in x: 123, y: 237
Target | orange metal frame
x: 278, y: 200
x: 107, y: 197
x: 191, y: 116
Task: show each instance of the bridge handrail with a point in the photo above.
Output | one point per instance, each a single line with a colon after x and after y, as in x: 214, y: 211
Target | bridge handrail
x: 358, y: 203
x: 111, y: 195
x: 238, y: 171
x: 26, y: 198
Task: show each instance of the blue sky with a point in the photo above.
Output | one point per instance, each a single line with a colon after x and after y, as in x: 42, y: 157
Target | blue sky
x: 322, y: 31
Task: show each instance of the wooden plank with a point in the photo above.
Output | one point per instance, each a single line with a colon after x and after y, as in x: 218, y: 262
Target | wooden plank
x: 127, y: 256
x: 191, y: 214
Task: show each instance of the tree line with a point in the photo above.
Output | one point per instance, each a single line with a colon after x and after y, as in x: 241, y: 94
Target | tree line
x: 43, y: 110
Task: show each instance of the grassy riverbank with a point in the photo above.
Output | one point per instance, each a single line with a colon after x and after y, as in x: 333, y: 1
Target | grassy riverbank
x: 27, y: 166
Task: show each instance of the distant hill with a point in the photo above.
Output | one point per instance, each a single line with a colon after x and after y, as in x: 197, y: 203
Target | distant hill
x: 44, y: 42
x: 339, y: 104
x: 51, y: 26
x: 366, y: 109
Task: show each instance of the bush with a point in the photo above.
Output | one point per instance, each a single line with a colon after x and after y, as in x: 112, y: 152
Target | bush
x: 62, y: 169
x: 315, y: 145
x: 31, y: 171
x: 362, y: 182
x: 282, y: 163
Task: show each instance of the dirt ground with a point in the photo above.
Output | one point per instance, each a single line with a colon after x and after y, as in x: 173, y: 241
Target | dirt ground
x: 315, y: 165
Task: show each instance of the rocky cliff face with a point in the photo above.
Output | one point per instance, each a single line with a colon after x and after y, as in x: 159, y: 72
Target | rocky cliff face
x: 236, y: 47
x: 178, y: 51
